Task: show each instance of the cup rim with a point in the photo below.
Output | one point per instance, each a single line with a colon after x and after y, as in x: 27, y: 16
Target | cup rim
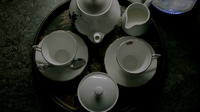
x: 129, y: 71
x: 64, y: 63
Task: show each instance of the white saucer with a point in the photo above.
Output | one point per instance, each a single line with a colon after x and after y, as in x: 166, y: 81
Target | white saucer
x: 64, y: 73
x: 117, y: 74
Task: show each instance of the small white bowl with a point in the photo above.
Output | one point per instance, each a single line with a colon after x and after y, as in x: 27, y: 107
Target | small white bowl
x: 98, y: 92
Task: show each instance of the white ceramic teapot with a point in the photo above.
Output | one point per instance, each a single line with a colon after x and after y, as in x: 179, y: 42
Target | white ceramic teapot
x: 95, y: 18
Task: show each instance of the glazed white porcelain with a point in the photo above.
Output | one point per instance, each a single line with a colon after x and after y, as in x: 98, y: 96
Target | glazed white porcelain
x: 95, y: 18
x: 63, y: 73
x: 136, y: 18
x: 134, y: 56
x: 97, y: 92
x: 136, y: 1
x: 122, y: 77
x: 94, y: 7
x: 58, y: 48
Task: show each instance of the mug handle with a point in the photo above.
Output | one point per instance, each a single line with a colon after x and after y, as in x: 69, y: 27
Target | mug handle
x: 148, y: 3
x: 37, y: 48
x: 155, y: 56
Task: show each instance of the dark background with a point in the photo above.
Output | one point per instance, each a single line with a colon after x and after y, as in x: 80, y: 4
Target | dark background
x: 20, y: 20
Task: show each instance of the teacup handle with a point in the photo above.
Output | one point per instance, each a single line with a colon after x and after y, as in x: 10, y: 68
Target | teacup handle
x: 40, y: 66
x: 147, y: 3
x: 43, y: 66
x: 37, y: 48
x: 155, y: 56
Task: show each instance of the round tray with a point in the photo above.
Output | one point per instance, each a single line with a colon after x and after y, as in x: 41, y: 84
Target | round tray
x: 65, y: 93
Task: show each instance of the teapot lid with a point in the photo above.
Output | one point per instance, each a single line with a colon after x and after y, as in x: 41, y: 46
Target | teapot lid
x: 94, y: 6
x: 97, y: 92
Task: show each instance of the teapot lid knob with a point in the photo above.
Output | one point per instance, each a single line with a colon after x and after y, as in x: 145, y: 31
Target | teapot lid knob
x: 98, y: 91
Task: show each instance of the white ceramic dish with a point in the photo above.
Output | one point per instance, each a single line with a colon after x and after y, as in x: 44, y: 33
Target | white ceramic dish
x: 97, y: 92
x: 121, y: 77
x: 64, y: 73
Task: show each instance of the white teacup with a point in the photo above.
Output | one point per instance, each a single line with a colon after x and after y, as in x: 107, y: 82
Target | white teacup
x: 58, y: 49
x: 134, y: 56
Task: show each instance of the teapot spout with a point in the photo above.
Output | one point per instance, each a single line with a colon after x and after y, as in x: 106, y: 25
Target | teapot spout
x: 98, y: 37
